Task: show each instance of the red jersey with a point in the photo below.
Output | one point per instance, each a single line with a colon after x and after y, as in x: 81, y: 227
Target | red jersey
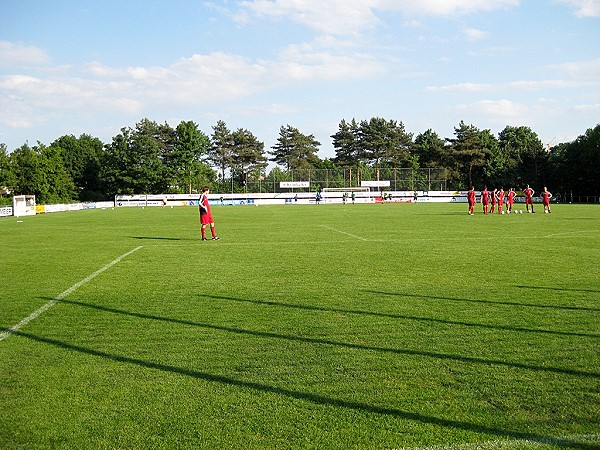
x: 546, y: 196
x: 501, y: 196
x: 485, y: 197
x: 471, y: 197
x: 205, y: 215
x: 511, y: 197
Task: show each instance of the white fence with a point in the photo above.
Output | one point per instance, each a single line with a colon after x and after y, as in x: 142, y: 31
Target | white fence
x: 42, y: 209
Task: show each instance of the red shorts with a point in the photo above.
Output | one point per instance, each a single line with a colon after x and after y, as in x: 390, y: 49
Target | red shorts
x: 528, y: 201
x: 206, y: 219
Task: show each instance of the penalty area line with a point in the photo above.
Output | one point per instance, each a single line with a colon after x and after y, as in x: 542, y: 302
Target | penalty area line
x: 343, y: 232
x: 64, y: 294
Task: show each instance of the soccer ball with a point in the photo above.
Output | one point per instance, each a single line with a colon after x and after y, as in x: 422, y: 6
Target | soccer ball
x: 502, y: 212
x: 520, y: 211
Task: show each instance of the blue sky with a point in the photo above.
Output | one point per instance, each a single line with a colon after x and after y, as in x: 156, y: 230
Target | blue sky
x: 82, y: 66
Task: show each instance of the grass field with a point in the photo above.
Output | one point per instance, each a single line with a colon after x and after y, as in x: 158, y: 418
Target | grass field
x: 326, y: 327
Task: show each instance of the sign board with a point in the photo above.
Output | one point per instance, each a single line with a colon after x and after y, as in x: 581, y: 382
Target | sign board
x: 294, y: 184
x: 378, y: 183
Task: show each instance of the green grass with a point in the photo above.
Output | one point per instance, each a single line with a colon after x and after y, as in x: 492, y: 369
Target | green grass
x: 331, y: 326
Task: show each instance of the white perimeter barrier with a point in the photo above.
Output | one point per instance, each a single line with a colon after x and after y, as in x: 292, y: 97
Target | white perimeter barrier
x: 286, y: 198
x: 6, y: 211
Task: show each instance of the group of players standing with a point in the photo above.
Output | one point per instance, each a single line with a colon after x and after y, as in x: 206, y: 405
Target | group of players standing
x: 500, y: 199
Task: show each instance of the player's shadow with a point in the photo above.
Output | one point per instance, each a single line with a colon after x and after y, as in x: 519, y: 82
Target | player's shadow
x: 317, y: 399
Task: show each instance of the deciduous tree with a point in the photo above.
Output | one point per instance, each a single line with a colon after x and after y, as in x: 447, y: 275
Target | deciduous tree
x: 185, y: 162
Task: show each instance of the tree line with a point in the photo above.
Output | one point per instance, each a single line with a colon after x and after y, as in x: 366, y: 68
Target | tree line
x: 157, y: 158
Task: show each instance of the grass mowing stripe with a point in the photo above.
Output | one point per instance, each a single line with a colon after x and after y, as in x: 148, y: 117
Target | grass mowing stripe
x: 64, y: 294
x: 520, y: 443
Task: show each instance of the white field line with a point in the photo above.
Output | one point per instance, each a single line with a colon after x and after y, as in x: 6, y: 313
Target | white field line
x: 567, y: 233
x: 373, y: 239
x: 62, y: 295
x: 343, y: 232
x: 235, y: 243
x: 516, y: 443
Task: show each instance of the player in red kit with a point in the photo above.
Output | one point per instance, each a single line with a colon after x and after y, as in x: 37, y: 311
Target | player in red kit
x: 546, y: 196
x: 500, y: 198
x: 206, y: 217
x: 511, y: 199
x: 471, y: 200
x: 494, y: 200
x: 485, y: 199
x: 529, y: 198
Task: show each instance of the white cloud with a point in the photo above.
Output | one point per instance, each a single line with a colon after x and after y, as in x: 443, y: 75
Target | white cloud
x: 327, y: 17
x: 460, y: 87
x: 15, y: 115
x: 579, y: 74
x: 587, y: 108
x: 584, y: 8
x: 266, y: 110
x: 496, y: 114
x: 500, y: 109
x: 446, y: 7
x: 307, y: 62
x: 340, y: 17
x: 535, y: 85
x: 98, y: 69
x: 580, y: 70
x: 15, y: 53
x: 473, y: 34
x: 15, y: 122
x: 201, y: 81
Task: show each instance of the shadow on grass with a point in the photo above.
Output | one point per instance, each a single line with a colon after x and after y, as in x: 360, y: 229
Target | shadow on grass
x: 154, y: 238
x: 313, y: 398
x: 491, y: 302
x: 550, y: 288
x: 455, y: 213
x: 405, y: 317
x: 321, y: 341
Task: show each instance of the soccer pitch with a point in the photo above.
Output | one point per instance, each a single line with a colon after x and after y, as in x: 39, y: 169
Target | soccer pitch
x: 331, y: 327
